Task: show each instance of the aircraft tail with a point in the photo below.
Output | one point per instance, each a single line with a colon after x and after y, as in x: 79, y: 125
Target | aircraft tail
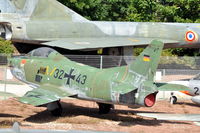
x: 46, y: 10
x: 147, y: 62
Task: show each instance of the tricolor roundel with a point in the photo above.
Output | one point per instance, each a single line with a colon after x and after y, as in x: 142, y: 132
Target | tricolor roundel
x: 190, y: 36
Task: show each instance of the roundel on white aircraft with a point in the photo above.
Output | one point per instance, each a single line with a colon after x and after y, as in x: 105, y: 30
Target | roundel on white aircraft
x: 190, y: 36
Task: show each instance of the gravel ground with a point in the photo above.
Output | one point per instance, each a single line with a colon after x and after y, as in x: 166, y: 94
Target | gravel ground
x: 83, y: 115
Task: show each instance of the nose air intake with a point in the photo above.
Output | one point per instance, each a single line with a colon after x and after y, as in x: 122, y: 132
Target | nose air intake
x: 5, y: 31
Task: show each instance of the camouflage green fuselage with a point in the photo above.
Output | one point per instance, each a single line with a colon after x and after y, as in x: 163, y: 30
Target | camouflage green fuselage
x: 82, y: 81
x: 76, y: 79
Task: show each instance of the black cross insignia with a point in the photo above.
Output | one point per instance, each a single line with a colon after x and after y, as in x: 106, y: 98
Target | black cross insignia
x: 69, y: 76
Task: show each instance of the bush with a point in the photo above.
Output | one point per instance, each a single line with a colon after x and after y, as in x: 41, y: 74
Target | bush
x: 6, y: 46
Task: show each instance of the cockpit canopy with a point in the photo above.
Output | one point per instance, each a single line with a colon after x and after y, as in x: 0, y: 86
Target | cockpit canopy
x: 41, y: 52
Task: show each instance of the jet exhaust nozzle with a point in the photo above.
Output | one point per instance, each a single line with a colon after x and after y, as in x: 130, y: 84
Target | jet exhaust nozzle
x: 150, y: 100
x: 147, y: 94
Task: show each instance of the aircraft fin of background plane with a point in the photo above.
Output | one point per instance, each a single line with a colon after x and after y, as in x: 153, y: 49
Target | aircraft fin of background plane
x: 46, y: 10
x: 147, y: 62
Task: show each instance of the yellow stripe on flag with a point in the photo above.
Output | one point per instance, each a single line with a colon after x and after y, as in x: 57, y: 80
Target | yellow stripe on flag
x: 146, y: 59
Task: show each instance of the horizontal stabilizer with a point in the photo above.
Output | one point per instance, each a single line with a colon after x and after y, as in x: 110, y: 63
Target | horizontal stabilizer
x: 171, y: 87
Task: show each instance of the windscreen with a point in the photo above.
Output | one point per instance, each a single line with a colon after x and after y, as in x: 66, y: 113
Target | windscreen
x: 41, y: 52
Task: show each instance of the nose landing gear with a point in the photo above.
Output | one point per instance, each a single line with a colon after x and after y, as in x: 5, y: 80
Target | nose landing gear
x: 105, y: 108
x: 55, y: 108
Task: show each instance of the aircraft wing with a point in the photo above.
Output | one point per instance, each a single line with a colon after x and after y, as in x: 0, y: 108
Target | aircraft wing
x: 103, y: 42
x: 43, y: 95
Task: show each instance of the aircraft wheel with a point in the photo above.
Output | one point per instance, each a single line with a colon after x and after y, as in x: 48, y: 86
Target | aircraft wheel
x: 173, y: 99
x: 104, y: 108
x: 58, y: 111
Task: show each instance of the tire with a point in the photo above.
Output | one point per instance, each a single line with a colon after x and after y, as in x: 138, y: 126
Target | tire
x: 173, y: 99
x: 104, y: 108
x: 57, y: 112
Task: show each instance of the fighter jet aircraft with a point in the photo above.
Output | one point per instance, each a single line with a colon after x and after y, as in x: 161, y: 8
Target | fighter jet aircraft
x: 34, y: 23
x: 193, y: 85
x: 54, y: 76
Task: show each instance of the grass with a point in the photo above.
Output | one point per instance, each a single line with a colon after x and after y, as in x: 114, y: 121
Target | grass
x: 79, y: 120
x: 7, y: 123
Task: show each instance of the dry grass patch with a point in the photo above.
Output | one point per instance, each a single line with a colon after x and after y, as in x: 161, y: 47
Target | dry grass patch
x: 7, y: 123
x: 79, y: 120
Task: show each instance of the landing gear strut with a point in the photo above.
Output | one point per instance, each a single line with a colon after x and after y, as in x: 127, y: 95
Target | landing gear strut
x: 55, y: 108
x: 173, y: 99
x: 104, y: 108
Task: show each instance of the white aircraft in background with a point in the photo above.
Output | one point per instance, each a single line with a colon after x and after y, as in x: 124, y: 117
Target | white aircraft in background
x: 193, y: 84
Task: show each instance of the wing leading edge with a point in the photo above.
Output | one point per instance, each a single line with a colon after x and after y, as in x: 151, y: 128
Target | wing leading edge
x: 43, y: 95
x: 102, y: 42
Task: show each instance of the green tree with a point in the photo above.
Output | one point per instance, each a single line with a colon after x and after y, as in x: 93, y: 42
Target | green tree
x: 137, y: 10
x: 107, y: 10
x: 6, y: 47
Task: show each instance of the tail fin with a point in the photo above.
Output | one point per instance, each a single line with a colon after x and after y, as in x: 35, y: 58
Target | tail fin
x: 46, y: 10
x: 6, y: 7
x: 147, y: 62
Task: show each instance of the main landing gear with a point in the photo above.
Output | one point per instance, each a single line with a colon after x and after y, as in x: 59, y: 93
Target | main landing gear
x: 55, y: 108
x: 173, y: 99
x: 105, y: 108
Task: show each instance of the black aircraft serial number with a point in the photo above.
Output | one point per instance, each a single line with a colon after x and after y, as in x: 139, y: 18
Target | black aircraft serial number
x: 61, y: 74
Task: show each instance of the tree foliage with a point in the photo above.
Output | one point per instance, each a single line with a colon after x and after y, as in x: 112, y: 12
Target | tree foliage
x: 6, y: 47
x: 137, y: 10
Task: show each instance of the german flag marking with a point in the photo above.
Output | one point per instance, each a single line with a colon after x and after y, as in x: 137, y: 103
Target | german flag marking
x: 146, y: 58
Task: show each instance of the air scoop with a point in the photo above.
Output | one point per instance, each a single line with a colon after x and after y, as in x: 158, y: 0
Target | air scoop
x: 5, y: 31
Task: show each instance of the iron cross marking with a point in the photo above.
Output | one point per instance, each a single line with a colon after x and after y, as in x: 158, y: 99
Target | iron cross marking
x: 69, y: 76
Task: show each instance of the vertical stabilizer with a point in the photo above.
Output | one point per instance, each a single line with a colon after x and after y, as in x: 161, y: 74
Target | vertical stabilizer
x: 147, y: 62
x: 46, y: 10
x: 6, y: 7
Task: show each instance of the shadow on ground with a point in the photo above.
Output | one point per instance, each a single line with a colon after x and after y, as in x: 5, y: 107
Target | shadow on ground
x: 124, y: 117
x: 9, y: 115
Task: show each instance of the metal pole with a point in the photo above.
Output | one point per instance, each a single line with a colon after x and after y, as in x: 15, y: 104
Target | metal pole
x: 101, y: 62
x: 5, y: 78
